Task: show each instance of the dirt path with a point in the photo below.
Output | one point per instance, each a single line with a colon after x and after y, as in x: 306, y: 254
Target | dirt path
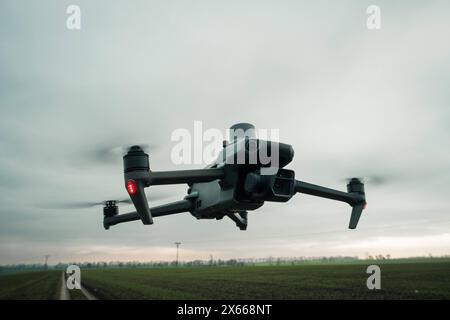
x: 64, y: 293
x: 88, y: 294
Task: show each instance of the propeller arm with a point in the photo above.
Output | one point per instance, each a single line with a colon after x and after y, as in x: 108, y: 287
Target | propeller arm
x: 355, y: 196
x: 319, y: 191
x: 138, y: 176
x: 185, y: 176
x: 158, y: 211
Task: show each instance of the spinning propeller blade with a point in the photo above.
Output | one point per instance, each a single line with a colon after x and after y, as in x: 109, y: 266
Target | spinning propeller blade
x: 113, y: 153
x: 91, y: 204
x: 374, y: 180
x: 80, y: 205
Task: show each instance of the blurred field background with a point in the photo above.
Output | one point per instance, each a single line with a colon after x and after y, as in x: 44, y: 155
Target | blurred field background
x: 402, y: 279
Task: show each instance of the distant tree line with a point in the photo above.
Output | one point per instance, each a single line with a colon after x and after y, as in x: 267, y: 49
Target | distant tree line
x: 269, y: 261
x: 211, y: 262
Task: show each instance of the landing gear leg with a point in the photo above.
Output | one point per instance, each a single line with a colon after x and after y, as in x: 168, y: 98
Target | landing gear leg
x: 240, y: 219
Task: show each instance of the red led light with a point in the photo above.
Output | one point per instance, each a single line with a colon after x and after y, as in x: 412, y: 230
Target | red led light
x: 365, y: 205
x: 131, y: 187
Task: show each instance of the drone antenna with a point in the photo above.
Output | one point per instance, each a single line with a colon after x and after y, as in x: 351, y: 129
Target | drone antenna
x: 178, y: 246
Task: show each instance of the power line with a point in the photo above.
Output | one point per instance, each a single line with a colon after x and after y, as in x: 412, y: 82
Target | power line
x: 178, y: 246
x: 46, y: 260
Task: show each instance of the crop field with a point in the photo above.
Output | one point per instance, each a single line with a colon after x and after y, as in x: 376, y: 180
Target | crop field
x: 43, y: 285
x: 424, y: 280
x: 398, y: 281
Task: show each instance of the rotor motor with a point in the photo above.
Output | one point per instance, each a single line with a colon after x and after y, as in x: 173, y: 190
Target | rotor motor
x: 136, y: 160
x: 110, y: 209
x: 355, y: 185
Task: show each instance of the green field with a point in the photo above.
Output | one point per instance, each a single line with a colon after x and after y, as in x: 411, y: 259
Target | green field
x: 43, y: 285
x: 412, y: 280
x: 430, y: 280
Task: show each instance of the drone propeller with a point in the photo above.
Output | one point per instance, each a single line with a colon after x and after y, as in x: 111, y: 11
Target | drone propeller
x: 374, y: 180
x: 82, y: 204
x: 112, y: 153
x: 90, y: 204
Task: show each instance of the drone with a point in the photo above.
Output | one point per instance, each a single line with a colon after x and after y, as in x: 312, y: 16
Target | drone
x: 227, y: 187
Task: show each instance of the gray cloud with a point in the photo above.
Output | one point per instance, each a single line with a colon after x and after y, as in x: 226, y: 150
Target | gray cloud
x: 352, y: 102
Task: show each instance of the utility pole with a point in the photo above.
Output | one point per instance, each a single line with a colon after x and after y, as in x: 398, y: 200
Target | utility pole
x: 178, y: 246
x: 46, y: 260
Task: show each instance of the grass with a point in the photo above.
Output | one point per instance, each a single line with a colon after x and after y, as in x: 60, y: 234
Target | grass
x: 419, y: 280
x: 43, y: 285
x: 76, y: 294
x: 398, y: 281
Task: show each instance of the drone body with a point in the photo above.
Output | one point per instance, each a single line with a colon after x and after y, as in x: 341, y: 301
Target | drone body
x: 240, y: 180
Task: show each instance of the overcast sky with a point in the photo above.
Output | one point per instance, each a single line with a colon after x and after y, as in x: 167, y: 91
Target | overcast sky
x: 352, y: 102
